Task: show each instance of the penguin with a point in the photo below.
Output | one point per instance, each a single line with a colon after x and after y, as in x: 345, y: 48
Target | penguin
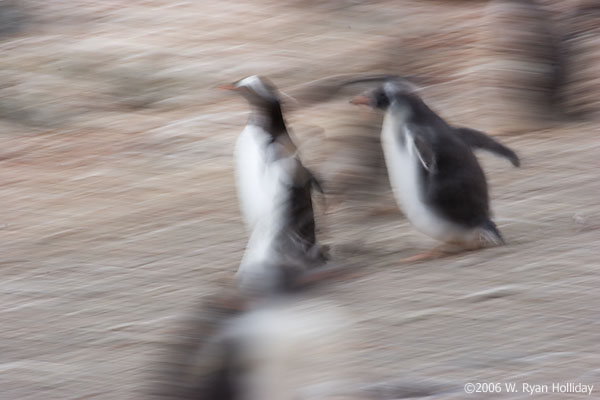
x: 234, y: 348
x: 435, y: 177
x: 275, y: 193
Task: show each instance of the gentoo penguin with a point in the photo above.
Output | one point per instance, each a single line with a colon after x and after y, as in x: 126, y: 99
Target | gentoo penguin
x: 275, y: 192
x: 232, y: 348
x: 436, y: 179
x: 288, y: 348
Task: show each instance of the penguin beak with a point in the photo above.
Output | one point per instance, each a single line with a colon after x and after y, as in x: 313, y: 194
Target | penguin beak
x: 227, y: 87
x: 361, y: 100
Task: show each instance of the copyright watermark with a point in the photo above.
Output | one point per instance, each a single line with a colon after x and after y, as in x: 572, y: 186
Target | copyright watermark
x: 531, y: 389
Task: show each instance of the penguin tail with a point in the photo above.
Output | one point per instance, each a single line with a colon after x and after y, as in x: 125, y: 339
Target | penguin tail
x: 491, y: 234
x: 316, y: 185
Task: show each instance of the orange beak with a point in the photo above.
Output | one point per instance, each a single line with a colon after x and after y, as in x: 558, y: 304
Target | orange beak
x: 361, y: 100
x: 227, y: 87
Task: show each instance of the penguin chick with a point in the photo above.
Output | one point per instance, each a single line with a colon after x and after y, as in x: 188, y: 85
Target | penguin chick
x: 436, y: 179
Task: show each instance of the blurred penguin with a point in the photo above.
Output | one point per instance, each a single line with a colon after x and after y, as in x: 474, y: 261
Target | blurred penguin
x: 235, y: 349
x: 275, y: 192
x: 293, y: 347
x: 264, y: 139
x: 436, y: 179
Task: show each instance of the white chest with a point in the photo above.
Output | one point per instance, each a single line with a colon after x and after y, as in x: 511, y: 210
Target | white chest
x: 251, y: 169
x: 271, y: 220
x: 270, y: 212
x: 401, y: 162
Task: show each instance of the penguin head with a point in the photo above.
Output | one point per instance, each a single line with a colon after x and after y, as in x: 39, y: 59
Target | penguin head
x: 393, y: 92
x: 258, y: 91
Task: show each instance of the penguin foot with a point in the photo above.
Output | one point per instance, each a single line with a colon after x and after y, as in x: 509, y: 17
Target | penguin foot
x: 318, y: 254
x: 325, y: 274
x: 446, y: 249
x: 383, y: 211
x: 425, y: 256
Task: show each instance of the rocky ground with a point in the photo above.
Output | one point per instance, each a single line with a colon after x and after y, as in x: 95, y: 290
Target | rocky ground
x: 119, y: 207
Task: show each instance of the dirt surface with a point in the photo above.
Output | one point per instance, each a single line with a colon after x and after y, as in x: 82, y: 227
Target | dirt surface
x: 119, y: 210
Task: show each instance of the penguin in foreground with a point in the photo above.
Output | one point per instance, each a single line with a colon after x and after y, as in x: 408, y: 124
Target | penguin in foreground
x: 275, y: 193
x: 436, y: 179
x: 231, y: 348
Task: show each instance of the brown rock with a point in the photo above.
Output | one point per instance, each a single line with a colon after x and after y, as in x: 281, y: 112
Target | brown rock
x: 521, y: 66
x: 582, y: 86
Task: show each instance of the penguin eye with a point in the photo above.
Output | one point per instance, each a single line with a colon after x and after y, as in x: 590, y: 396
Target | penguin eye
x: 381, y: 99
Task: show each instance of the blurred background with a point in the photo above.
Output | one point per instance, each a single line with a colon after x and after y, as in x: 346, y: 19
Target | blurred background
x: 118, y: 206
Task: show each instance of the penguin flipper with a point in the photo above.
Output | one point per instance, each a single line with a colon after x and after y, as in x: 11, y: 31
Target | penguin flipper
x: 479, y: 140
x: 315, y: 183
x: 425, y: 154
